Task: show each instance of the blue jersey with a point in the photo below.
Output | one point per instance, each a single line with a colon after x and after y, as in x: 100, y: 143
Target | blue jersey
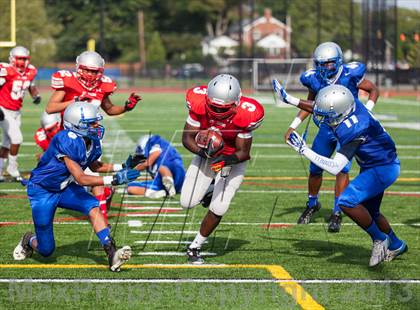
x: 349, y: 75
x: 168, y: 153
x: 51, y: 172
x: 376, y: 148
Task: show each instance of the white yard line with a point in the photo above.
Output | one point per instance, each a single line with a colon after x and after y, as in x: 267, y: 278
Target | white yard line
x: 308, y: 281
x: 164, y: 232
x: 159, y: 253
x: 154, y: 215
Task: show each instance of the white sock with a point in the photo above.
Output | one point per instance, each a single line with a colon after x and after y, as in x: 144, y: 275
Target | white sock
x: 1, y: 165
x: 13, y: 160
x: 198, y: 241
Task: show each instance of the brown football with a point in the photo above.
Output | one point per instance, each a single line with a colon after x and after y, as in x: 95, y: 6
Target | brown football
x: 209, y: 139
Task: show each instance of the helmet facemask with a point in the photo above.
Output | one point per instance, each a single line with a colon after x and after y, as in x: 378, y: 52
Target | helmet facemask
x: 89, y: 69
x: 219, y: 110
x: 328, y: 69
x: 19, y: 58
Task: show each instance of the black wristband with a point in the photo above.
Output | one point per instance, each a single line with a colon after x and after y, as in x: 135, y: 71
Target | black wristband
x: 202, y: 153
x: 230, y: 159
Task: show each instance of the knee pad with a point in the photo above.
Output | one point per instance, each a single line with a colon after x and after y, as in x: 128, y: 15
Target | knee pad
x: 219, y: 208
x: 16, y: 138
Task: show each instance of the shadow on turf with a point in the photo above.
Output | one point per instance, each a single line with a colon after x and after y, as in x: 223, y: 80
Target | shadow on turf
x: 411, y: 222
x: 78, y: 249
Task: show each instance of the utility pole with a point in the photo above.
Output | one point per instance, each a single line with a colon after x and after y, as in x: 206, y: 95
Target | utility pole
x: 101, y: 29
x: 142, y: 49
x: 318, y: 22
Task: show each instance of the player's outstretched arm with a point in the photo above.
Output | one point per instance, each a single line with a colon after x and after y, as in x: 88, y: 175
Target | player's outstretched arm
x: 300, y: 117
x: 306, y: 105
x: 56, y: 103
x: 112, y: 109
x: 121, y: 177
x: 373, y: 91
x: 331, y: 165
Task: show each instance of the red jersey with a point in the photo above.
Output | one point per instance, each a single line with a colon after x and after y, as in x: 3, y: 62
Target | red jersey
x: 68, y: 82
x: 14, y: 84
x: 41, y: 139
x: 249, y: 116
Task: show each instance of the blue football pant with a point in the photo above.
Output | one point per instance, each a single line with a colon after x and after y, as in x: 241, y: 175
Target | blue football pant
x: 368, y: 188
x: 44, y: 204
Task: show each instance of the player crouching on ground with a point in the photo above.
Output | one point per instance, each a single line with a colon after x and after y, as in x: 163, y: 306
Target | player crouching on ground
x: 53, y: 184
x: 221, y: 108
x: 163, y: 162
x: 361, y: 136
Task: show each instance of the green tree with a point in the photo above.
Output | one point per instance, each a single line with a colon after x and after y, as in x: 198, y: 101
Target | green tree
x: 155, y: 54
x: 33, y: 30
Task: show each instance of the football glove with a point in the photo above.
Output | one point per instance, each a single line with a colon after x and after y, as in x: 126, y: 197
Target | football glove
x: 36, y: 99
x: 283, y: 95
x: 125, y: 176
x: 296, y: 142
x: 132, y: 101
x: 221, y: 161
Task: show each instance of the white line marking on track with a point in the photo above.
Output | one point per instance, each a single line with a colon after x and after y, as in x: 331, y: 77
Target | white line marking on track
x: 154, y: 215
x: 308, y: 281
x: 163, y: 232
x: 151, y: 202
x: 158, y: 253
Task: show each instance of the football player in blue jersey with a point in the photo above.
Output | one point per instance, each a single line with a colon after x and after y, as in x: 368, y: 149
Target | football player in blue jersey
x: 360, y: 136
x: 163, y: 162
x: 329, y: 70
x: 58, y: 181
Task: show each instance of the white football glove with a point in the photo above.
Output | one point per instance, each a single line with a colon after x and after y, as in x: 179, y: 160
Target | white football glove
x: 283, y: 95
x: 296, y: 142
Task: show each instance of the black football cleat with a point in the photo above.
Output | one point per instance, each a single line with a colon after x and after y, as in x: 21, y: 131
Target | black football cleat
x: 334, y: 223
x: 194, y: 256
x: 307, y: 215
x: 23, y: 249
x: 116, y: 258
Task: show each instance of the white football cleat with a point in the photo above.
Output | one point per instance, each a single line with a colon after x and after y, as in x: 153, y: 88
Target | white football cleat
x: 14, y: 172
x: 150, y: 193
x: 23, y: 250
x: 391, y: 254
x: 117, y: 258
x: 379, y: 251
x: 169, y: 185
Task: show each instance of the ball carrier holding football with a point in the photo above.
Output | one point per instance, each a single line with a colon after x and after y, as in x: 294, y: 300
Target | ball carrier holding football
x: 219, y: 131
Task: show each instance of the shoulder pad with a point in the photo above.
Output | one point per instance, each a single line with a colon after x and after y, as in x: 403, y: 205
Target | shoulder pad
x: 72, y: 135
x: 249, y: 115
x: 357, y: 68
x: 108, y: 85
x: 196, y: 99
x: 60, y: 78
x: 306, y: 76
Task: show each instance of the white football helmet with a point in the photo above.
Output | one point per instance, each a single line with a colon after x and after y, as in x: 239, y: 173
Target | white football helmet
x: 51, y: 123
x: 223, y: 96
x: 142, y: 143
x: 328, y: 58
x: 19, y: 57
x: 333, y: 104
x: 82, y: 118
x: 89, y: 68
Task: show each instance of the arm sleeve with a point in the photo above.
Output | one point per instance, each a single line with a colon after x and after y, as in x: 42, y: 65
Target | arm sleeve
x: 332, y: 165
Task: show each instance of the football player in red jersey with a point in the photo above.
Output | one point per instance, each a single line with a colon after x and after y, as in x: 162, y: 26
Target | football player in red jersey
x: 90, y: 84
x: 50, y: 125
x: 219, y: 106
x: 16, y: 78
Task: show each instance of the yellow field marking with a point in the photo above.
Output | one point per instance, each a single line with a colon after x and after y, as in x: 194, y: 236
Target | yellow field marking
x: 298, y: 293
x: 275, y: 178
x: 302, y: 298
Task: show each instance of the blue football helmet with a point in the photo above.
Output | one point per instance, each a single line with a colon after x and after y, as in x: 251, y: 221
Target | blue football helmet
x: 82, y: 118
x: 333, y: 104
x: 328, y: 59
